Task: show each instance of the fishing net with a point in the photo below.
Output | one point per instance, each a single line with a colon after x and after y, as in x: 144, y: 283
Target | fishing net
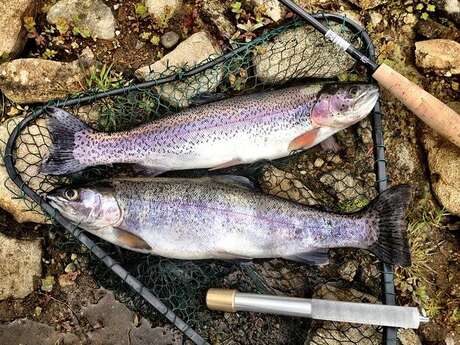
x: 344, y: 181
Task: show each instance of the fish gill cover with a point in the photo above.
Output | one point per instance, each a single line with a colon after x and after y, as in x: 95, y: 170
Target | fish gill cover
x: 343, y: 181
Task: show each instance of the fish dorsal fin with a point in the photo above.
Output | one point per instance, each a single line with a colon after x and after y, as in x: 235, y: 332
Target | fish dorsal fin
x: 314, y: 257
x: 129, y: 240
x: 235, y: 180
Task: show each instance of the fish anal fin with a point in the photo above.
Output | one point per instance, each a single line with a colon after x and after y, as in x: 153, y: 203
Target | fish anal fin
x: 304, y: 140
x: 130, y: 241
x: 228, y: 164
x: 314, y: 257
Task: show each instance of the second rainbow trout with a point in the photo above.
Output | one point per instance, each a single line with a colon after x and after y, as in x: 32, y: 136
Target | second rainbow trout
x: 242, y: 129
x: 225, y: 218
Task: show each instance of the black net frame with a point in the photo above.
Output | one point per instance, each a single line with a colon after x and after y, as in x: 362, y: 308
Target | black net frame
x: 389, y: 334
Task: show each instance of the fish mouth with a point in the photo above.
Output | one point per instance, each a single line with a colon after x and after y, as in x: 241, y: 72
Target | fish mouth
x: 367, y: 100
x: 58, y: 203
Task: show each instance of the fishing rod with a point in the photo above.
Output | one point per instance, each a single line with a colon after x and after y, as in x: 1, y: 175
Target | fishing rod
x: 428, y: 108
x: 318, y: 309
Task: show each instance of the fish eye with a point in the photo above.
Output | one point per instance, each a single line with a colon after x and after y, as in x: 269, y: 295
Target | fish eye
x: 71, y: 194
x: 354, y: 90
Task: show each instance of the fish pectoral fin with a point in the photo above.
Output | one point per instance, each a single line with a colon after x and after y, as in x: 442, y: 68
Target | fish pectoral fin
x: 235, y: 180
x: 314, y: 257
x: 129, y: 240
x: 304, y: 140
x: 228, y: 164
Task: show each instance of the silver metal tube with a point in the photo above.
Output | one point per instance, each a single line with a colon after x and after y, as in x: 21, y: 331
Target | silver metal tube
x: 272, y: 304
x: 365, y: 313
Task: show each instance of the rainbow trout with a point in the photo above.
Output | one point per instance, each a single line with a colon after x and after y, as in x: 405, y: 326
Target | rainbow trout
x: 243, y: 129
x: 224, y: 218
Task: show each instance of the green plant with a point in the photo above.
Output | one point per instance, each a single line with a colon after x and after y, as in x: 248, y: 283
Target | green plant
x: 155, y: 40
x: 62, y: 25
x: 415, y: 281
x: 29, y: 24
x: 249, y: 26
x: 49, y: 53
x: 83, y: 32
x: 103, y: 78
x: 236, y: 8
x: 141, y: 10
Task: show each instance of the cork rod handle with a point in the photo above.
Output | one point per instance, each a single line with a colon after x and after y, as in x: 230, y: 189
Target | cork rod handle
x: 428, y: 108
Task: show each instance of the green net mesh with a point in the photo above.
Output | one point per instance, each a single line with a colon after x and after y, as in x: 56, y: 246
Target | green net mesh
x: 343, y: 181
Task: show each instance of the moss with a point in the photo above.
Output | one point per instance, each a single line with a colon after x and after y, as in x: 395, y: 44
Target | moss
x: 141, y: 10
x: 83, y: 32
x: 4, y: 57
x: 353, y: 205
x: 414, y: 282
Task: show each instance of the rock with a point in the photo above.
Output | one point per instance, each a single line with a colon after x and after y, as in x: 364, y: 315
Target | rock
x: 91, y: 113
x: 285, y: 185
x: 117, y: 321
x: 319, y: 162
x: 348, y: 270
x: 432, y: 29
x: 28, y: 159
x: 339, y: 333
x: 271, y: 8
x: 191, y: 52
x: 343, y: 183
x: 408, y: 337
x: 12, y: 32
x: 28, y: 332
x: 444, y: 165
x: 169, y: 39
x: 163, y: 10
x: 407, y: 158
x: 451, y: 9
x: 439, y: 55
x: 93, y: 16
x: 214, y: 11
x: 36, y: 80
x: 300, y: 53
x: 368, y: 4
x: 375, y: 18
x: 20, y: 265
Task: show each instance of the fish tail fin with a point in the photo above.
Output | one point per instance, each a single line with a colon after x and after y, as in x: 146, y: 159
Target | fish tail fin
x: 389, y: 212
x: 62, y: 127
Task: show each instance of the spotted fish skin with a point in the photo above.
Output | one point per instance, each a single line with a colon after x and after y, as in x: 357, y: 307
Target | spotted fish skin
x: 216, y: 218
x: 195, y: 219
x: 242, y: 129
